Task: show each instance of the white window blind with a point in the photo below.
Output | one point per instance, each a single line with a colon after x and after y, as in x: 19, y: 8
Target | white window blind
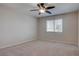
x: 50, y: 26
x: 54, y: 25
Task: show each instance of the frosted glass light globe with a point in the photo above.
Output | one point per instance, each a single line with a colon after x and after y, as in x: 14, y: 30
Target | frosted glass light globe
x: 42, y: 10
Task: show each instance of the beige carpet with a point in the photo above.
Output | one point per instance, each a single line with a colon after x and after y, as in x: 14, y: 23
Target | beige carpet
x: 40, y: 48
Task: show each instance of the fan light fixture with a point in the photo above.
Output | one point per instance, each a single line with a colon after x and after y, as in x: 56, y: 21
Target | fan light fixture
x: 42, y: 10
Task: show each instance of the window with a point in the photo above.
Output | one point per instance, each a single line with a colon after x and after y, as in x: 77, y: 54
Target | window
x: 54, y: 25
x: 50, y: 26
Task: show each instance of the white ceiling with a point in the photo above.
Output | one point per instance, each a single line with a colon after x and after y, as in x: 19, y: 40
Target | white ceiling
x: 60, y: 8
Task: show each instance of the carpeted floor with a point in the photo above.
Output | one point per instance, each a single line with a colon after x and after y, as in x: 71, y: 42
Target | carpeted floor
x: 40, y: 48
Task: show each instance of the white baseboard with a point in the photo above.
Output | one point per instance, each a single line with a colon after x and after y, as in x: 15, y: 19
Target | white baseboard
x: 68, y: 43
x: 16, y: 43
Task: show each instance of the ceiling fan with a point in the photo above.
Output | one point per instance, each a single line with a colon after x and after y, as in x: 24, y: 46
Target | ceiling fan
x: 42, y: 8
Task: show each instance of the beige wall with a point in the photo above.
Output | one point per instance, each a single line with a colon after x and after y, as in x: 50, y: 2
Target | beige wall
x: 69, y: 34
x: 15, y: 28
x: 78, y: 28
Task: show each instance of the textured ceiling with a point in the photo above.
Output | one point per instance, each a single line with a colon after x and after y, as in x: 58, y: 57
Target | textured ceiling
x: 25, y: 8
x: 60, y: 8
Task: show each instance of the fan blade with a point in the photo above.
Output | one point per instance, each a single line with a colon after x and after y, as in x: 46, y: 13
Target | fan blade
x: 38, y: 5
x: 42, y: 4
x: 34, y: 10
x: 50, y: 7
x: 48, y: 12
x: 39, y: 13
